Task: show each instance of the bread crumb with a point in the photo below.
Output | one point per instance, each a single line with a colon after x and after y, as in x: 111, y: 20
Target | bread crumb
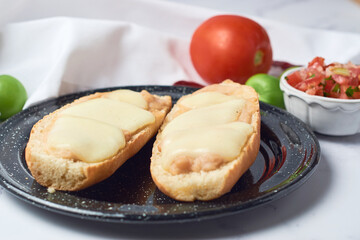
x: 51, y: 190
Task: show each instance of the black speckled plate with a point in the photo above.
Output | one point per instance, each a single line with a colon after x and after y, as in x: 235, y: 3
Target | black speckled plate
x: 289, y: 154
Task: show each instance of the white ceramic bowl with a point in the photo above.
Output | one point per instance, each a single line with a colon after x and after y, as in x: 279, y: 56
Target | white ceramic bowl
x: 330, y: 116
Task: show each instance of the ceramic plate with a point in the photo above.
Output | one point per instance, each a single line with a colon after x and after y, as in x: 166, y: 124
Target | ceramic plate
x: 289, y: 153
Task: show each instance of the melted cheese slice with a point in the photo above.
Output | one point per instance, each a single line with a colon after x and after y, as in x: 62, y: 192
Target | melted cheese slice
x: 85, y: 139
x: 128, y: 96
x: 92, y: 131
x: 216, y: 114
x: 119, y: 114
x: 225, y: 140
x: 205, y: 99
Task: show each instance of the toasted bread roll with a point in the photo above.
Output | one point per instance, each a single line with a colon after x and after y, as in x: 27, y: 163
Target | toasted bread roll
x: 207, y: 141
x: 86, y: 141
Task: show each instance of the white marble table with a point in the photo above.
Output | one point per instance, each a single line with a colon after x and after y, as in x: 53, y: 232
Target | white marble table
x: 326, y: 207
x: 337, y: 15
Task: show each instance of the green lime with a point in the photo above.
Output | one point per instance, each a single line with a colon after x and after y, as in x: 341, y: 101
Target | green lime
x: 12, y: 96
x: 268, y: 88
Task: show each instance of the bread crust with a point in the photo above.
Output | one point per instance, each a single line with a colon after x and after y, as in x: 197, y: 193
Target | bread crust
x: 208, y: 185
x: 66, y: 174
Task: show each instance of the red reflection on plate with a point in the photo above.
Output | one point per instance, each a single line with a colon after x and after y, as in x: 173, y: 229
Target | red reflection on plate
x: 188, y: 84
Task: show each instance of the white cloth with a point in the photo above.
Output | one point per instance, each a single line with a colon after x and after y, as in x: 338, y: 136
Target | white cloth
x: 62, y: 55
x: 56, y: 55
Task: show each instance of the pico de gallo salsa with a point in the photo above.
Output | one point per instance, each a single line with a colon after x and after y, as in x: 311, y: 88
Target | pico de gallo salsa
x: 334, y: 80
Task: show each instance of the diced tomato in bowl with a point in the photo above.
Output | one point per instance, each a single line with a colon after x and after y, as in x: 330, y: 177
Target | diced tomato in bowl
x: 326, y: 97
x: 334, y: 80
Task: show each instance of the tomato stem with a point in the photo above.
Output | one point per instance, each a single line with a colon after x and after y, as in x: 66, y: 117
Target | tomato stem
x: 258, y: 59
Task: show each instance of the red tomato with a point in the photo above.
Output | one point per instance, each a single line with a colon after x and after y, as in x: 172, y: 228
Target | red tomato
x: 230, y: 47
